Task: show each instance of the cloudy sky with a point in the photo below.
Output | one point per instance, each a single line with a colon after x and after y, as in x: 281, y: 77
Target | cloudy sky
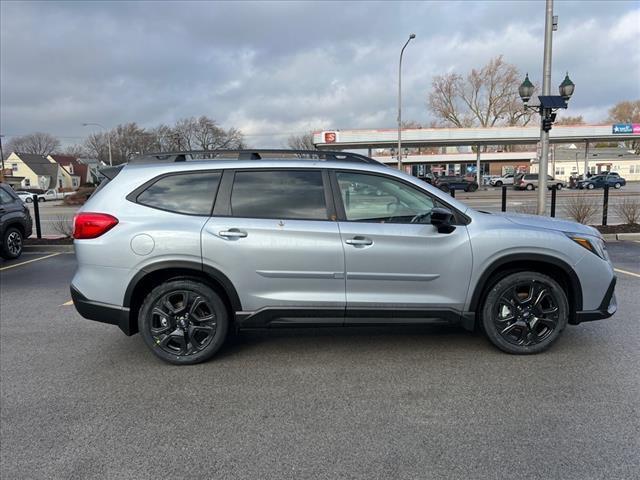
x: 274, y: 69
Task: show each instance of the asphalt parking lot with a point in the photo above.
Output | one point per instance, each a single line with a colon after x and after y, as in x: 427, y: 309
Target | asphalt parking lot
x: 81, y: 400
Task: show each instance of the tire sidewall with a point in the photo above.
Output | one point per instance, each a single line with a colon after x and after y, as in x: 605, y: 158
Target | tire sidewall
x: 222, y: 315
x: 498, y: 289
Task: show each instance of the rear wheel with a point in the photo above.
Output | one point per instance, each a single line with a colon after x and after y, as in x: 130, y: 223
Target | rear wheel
x: 530, y: 186
x: 472, y: 188
x: 590, y: 186
x: 28, y: 200
x: 183, y: 322
x: 11, y: 243
x: 525, y: 313
x: 498, y: 183
x: 444, y: 188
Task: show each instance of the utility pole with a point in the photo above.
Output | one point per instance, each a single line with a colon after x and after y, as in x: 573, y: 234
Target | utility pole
x: 546, y: 90
x: 411, y: 37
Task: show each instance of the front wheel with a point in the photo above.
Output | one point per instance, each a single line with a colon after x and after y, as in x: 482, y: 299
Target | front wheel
x: 444, y: 188
x: 498, y: 183
x: 590, y: 186
x: 530, y: 186
x: 559, y: 186
x: 617, y: 185
x: 472, y: 188
x: 525, y: 313
x: 28, y: 200
x: 183, y: 321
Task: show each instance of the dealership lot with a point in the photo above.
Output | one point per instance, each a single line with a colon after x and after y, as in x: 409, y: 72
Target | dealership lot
x: 81, y: 400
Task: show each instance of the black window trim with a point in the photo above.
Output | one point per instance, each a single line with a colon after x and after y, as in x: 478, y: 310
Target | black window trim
x: 133, y: 196
x: 460, y: 218
x: 222, y: 207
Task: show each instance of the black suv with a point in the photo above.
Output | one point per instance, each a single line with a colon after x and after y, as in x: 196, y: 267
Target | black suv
x: 15, y: 223
x: 447, y: 183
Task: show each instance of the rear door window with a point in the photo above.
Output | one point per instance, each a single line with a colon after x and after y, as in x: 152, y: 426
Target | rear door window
x: 279, y: 194
x: 187, y: 193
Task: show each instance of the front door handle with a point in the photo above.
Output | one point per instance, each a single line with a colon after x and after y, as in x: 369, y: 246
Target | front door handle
x: 233, y: 233
x: 359, y: 241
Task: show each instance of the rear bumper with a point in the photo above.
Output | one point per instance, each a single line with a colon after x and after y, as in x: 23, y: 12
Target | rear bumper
x: 101, y: 312
x: 607, y: 307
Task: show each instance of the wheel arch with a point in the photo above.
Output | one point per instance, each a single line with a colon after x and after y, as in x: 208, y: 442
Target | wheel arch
x: 556, y: 268
x: 152, y: 275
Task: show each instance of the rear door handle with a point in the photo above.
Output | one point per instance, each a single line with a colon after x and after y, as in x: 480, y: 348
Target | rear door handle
x: 232, y: 233
x: 359, y: 241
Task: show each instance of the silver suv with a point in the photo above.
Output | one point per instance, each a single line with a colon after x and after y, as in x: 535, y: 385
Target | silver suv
x: 185, y: 249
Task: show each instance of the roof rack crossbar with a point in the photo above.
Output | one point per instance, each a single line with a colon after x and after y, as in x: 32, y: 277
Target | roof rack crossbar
x: 253, y: 154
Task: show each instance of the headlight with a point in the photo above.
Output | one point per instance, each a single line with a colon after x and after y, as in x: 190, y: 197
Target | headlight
x: 593, y: 244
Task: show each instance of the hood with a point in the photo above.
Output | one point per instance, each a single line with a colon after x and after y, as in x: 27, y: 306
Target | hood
x: 537, y: 221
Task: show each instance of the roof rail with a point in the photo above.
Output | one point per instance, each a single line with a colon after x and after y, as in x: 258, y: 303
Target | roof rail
x: 253, y: 154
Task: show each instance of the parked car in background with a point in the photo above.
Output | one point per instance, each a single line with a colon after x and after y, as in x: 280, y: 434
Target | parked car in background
x: 15, y: 223
x: 599, y: 181
x: 504, y: 180
x: 26, y: 197
x: 447, y: 183
x: 529, y: 181
x: 429, y: 178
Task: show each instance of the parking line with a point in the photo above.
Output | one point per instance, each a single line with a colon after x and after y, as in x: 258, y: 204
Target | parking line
x: 29, y: 261
x: 628, y: 273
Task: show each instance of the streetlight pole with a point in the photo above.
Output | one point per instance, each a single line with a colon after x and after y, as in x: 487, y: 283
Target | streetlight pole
x: 108, y: 138
x: 546, y: 90
x: 411, y: 37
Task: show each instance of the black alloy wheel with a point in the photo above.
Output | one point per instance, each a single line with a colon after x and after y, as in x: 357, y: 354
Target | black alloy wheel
x: 525, y: 312
x: 183, y: 321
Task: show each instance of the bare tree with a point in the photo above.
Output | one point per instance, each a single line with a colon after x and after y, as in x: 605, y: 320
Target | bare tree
x: 626, y: 112
x: 570, y: 120
x: 203, y: 133
x: 487, y: 97
x: 301, y: 142
x: 38, y: 143
x: 77, y: 151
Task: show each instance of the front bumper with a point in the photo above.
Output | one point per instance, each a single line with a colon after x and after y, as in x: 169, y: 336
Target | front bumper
x: 607, y: 307
x: 101, y: 312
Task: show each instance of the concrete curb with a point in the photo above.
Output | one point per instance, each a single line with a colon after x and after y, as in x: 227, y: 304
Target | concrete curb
x: 48, y: 248
x: 614, y: 237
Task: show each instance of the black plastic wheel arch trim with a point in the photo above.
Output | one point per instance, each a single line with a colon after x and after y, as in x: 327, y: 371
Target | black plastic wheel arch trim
x: 480, y: 288
x: 211, y: 272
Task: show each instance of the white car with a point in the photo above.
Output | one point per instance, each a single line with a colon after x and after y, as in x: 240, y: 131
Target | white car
x: 26, y: 197
x: 504, y: 180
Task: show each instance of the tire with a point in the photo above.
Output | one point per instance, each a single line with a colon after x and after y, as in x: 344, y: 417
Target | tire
x: 530, y: 187
x: 28, y: 200
x: 590, y: 186
x: 617, y: 185
x: 178, y: 338
x: 472, y: 188
x: 559, y: 186
x: 444, y: 188
x: 498, y: 183
x: 42, y: 199
x: 533, y: 327
x: 12, y: 243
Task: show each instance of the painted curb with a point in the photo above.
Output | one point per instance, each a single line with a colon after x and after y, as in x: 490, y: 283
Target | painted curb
x: 610, y: 237
x: 48, y: 248
x: 629, y: 236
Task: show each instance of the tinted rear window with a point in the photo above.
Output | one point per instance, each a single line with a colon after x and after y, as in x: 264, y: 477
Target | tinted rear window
x: 189, y: 193
x: 293, y: 194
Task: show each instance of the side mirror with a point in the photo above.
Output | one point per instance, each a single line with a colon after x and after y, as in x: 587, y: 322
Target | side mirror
x: 442, y: 219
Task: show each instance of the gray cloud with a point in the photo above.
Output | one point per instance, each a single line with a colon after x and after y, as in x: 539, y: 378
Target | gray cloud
x: 275, y: 68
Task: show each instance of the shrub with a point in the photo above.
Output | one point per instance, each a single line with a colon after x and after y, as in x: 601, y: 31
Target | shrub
x: 581, y: 208
x: 629, y: 210
x: 63, y: 225
x: 528, y: 208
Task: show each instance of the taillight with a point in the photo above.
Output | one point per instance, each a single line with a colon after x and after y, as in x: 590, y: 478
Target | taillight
x: 92, y: 225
